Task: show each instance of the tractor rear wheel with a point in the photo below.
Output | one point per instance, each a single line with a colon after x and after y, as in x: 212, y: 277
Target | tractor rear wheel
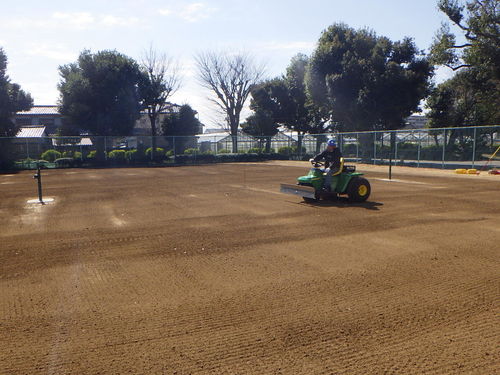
x: 358, y: 189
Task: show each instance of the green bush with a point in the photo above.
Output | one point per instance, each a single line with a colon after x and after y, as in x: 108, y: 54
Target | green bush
x: 64, y: 162
x: 296, y: 150
x: 77, y: 155
x: 117, y: 156
x: 67, y: 154
x: 134, y: 155
x: 159, y: 154
x: 91, y: 154
x: 255, y: 150
x: 285, y: 150
x: 431, y: 153
x: 50, y: 155
x: 224, y: 151
x: 191, y: 151
x: 349, y: 149
x: 169, y: 153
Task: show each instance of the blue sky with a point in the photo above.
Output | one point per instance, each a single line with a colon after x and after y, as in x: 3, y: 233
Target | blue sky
x: 39, y: 36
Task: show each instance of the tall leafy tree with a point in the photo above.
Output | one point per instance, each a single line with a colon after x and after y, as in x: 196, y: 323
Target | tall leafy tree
x: 367, y: 82
x: 12, y: 99
x: 478, y: 23
x: 183, y: 124
x: 286, y: 101
x: 99, y: 93
x: 261, y: 124
x: 473, y: 95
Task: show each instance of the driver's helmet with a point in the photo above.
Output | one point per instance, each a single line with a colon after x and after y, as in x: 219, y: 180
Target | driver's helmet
x: 332, y: 142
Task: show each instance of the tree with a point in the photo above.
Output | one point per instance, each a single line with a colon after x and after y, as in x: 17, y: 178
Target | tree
x: 472, y: 96
x: 366, y: 82
x: 99, y: 94
x: 261, y: 124
x: 286, y: 101
x: 460, y: 102
x: 160, y: 80
x: 183, y: 124
x: 230, y: 78
x: 479, y: 23
x: 12, y: 99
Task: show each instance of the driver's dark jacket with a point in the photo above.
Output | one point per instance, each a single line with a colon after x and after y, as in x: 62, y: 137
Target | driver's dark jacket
x: 331, y: 158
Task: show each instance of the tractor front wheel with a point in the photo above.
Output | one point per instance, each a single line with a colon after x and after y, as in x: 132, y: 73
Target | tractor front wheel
x: 358, y: 189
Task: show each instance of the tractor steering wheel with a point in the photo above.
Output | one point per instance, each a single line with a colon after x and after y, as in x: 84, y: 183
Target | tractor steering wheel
x: 317, y: 164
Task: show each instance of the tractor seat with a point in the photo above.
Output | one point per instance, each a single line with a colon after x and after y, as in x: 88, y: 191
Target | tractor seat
x: 341, y: 169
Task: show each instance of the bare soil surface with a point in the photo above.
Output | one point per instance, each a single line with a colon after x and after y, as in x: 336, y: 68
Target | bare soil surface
x: 210, y: 270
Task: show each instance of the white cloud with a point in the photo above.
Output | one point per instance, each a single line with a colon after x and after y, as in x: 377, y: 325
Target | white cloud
x: 165, y: 12
x: 53, y: 52
x: 110, y: 20
x: 195, y: 12
x: 296, y: 45
x: 80, y: 20
x: 192, y: 12
x: 70, y: 20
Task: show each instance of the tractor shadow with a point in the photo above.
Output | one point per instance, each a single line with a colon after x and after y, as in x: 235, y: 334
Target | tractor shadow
x: 343, y: 202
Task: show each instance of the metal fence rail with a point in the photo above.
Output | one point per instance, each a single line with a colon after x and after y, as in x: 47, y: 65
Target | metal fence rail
x: 443, y: 148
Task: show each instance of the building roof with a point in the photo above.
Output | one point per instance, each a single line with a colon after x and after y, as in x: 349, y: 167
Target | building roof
x: 53, y: 110
x: 217, y: 137
x: 84, y: 141
x: 38, y: 110
x: 31, y: 132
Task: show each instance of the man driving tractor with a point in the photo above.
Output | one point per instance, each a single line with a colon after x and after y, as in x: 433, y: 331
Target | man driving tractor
x: 331, y: 156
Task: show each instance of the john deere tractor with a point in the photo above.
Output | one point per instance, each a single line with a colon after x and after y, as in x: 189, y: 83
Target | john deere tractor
x: 345, y: 182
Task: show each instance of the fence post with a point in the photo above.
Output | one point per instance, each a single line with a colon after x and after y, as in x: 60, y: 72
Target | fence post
x: 374, y: 148
x: 173, y: 148
x: 357, y: 147
x: 289, y: 146
x: 474, y: 148
x: 396, y: 149
x: 105, y: 149
x: 418, y: 150
x: 444, y: 149
x: 27, y: 149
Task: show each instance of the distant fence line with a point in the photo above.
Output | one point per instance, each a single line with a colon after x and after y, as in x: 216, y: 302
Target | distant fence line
x: 464, y: 146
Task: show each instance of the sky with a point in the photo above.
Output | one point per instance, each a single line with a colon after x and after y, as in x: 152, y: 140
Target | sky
x: 39, y: 36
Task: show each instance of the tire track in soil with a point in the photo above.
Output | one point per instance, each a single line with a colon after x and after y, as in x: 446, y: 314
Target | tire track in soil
x: 430, y: 311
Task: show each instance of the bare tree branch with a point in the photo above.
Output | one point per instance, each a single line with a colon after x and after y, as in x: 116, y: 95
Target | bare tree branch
x: 230, y: 78
x: 160, y: 80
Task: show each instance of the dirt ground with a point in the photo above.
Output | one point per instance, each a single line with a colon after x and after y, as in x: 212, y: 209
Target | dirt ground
x: 210, y: 270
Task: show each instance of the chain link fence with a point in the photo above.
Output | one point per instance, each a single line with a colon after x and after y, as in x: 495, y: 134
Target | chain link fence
x: 467, y: 147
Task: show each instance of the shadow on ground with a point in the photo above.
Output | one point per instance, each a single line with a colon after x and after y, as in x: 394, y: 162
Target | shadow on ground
x: 343, y: 203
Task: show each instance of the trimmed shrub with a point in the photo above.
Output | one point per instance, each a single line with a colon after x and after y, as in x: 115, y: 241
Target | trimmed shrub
x: 91, y: 155
x: 255, y: 150
x: 64, y: 162
x: 191, y: 151
x: 431, y: 153
x: 67, y: 154
x: 224, y: 151
x: 117, y: 156
x: 77, y: 155
x: 134, y: 155
x: 169, y: 153
x: 285, y: 150
x: 159, y: 154
x: 50, y: 155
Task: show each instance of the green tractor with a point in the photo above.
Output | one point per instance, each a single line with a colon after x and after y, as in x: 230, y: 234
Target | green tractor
x: 345, y: 182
